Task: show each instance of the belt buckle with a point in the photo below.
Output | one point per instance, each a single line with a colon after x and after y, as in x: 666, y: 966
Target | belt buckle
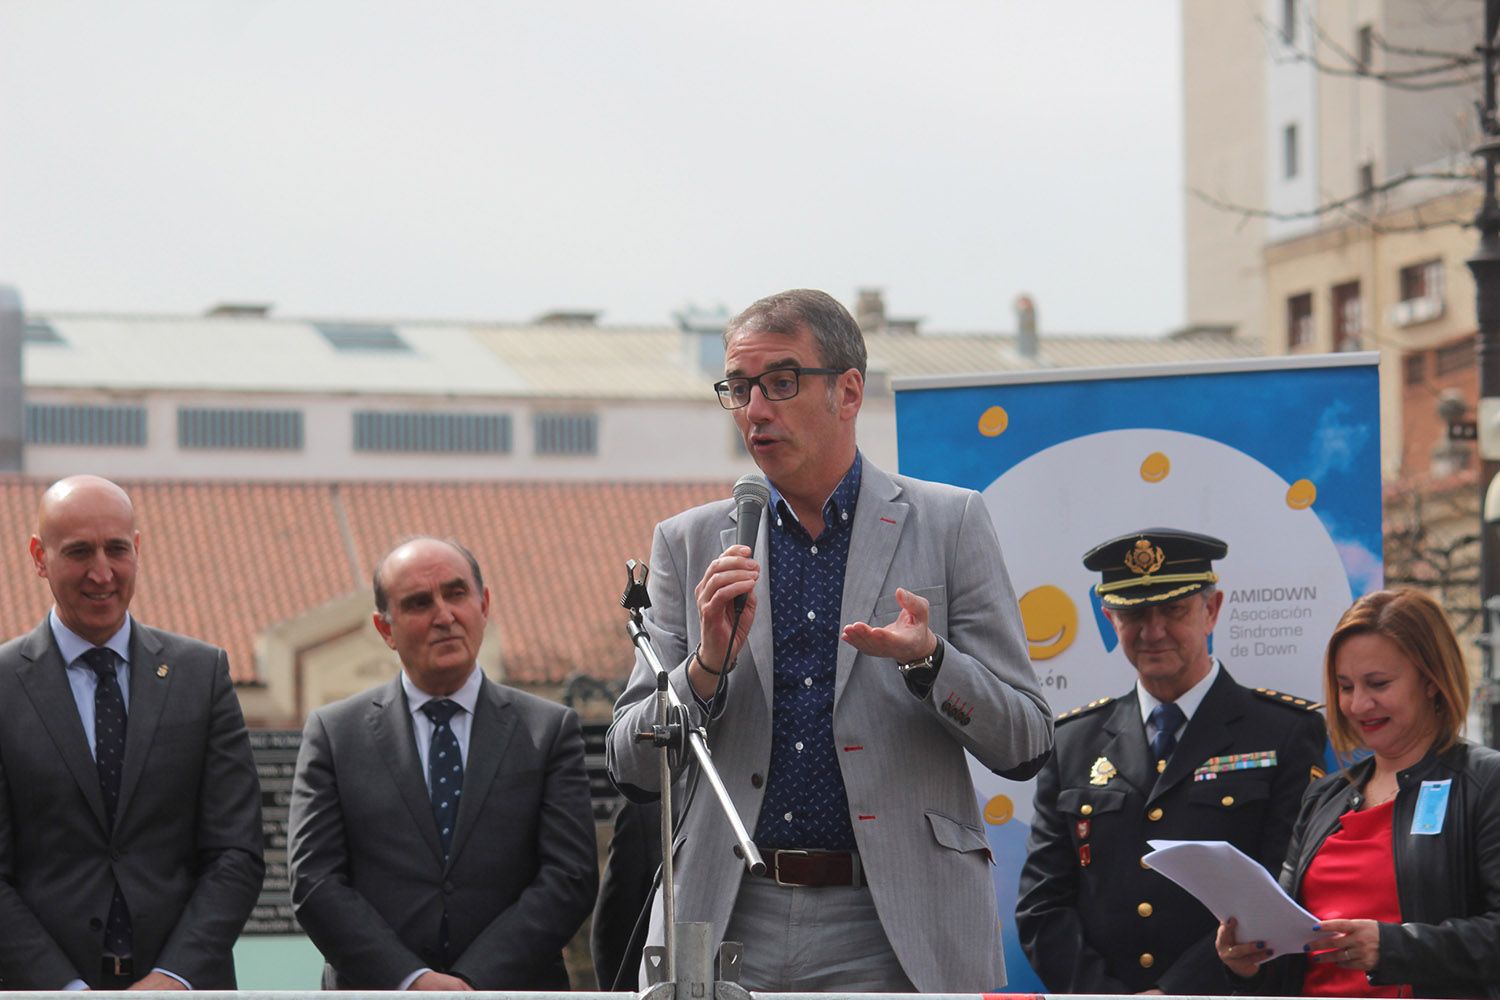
x: 776, y: 867
x: 121, y: 966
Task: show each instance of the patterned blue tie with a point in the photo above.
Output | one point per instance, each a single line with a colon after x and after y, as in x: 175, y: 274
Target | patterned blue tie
x: 109, y: 758
x: 445, y: 769
x: 1166, y: 717
x: 445, y: 778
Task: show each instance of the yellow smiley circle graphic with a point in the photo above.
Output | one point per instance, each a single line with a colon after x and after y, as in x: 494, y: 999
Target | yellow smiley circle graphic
x: 1051, y: 621
x: 1155, y: 467
x: 999, y: 810
x: 992, y: 422
x: 1301, y: 494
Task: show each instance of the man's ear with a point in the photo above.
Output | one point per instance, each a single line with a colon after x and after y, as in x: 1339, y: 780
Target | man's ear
x: 38, y: 556
x: 384, y: 628
x: 1213, y: 604
x: 851, y: 393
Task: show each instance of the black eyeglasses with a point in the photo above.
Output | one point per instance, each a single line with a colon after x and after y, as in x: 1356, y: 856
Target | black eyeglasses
x: 776, y: 385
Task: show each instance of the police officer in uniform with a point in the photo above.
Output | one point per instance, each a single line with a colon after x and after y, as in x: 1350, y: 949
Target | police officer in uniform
x: 1188, y: 754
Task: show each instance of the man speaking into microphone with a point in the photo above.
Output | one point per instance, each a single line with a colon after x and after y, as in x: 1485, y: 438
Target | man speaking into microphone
x: 879, y: 639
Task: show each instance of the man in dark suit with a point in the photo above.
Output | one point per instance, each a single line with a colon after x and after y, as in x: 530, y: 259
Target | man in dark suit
x: 130, y: 843
x: 617, y: 937
x: 442, y: 836
x: 1187, y: 755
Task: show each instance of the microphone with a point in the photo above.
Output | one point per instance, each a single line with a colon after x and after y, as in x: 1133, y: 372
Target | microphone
x: 751, y: 494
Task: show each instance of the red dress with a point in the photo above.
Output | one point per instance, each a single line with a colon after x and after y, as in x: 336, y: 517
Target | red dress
x: 1353, y: 877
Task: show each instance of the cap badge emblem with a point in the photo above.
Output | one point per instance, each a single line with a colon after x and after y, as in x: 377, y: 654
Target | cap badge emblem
x: 1145, y: 558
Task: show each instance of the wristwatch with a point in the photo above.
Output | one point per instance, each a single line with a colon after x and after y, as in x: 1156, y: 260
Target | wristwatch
x: 921, y: 674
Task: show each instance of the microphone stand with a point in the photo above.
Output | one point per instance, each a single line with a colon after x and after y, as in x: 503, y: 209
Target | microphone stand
x: 673, y: 734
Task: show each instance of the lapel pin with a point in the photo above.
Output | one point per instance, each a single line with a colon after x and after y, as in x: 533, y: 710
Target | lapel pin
x: 161, y: 671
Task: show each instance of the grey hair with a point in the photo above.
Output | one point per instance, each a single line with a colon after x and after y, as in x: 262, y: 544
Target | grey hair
x: 840, y: 341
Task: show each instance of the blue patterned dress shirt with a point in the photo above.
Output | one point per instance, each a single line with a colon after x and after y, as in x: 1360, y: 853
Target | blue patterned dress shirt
x: 806, y: 806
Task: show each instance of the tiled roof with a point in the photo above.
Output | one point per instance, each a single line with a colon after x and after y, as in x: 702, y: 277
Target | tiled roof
x: 260, y: 355
x: 223, y: 560
x: 905, y: 355
x: 577, y: 361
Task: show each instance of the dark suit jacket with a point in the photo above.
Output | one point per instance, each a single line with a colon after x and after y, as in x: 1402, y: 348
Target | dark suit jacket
x: 625, y: 893
x: 1091, y: 918
x: 186, y: 848
x: 368, y: 878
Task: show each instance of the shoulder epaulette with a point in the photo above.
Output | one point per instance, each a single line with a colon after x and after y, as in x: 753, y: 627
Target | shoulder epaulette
x: 1289, y: 700
x: 1074, y: 713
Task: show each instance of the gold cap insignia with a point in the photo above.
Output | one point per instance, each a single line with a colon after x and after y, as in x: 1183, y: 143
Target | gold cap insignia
x: 1144, y: 558
x: 1101, y: 772
x: 161, y: 671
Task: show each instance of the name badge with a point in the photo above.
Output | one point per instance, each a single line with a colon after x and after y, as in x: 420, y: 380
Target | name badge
x: 1432, y: 806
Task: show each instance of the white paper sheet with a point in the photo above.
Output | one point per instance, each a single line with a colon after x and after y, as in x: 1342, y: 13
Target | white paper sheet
x: 1231, y: 884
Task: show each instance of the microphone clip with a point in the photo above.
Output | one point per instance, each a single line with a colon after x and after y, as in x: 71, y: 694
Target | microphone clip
x: 635, y: 599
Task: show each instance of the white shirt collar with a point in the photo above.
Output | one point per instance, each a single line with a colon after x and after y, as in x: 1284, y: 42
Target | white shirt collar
x: 72, y: 645
x: 467, y: 696
x: 1190, y: 700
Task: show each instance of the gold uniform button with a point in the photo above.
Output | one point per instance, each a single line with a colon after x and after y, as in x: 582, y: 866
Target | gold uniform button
x: 1154, y: 815
x: 1227, y: 800
x: 1087, y: 809
x: 1146, y: 960
x: 1144, y: 909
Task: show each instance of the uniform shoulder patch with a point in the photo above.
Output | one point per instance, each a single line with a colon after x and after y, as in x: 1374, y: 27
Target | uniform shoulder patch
x: 1081, y: 710
x: 1287, y: 700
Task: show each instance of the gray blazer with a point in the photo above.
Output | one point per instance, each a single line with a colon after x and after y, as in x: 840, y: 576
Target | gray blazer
x: 186, y: 848
x: 369, y: 882
x: 912, y: 804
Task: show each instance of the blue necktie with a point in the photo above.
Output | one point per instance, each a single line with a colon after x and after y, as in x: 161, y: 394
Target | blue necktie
x: 1166, y: 717
x: 109, y: 758
x: 445, y: 769
x: 445, y: 776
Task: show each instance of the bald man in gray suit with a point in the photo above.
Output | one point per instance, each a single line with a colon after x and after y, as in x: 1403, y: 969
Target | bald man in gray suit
x: 130, y: 842
x: 442, y: 836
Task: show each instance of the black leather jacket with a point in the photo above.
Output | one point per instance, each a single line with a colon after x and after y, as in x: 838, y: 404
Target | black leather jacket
x: 1448, y: 884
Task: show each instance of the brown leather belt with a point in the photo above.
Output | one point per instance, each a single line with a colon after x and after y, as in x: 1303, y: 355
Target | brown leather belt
x: 813, y: 869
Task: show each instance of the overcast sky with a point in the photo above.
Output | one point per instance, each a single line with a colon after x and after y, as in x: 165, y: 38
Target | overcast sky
x: 498, y: 159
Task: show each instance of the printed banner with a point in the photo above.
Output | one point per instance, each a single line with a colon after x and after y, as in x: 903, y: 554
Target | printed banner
x: 1280, y: 457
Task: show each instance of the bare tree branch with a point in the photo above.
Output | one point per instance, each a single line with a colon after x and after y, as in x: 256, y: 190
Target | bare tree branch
x: 1429, y: 543
x: 1415, y: 79
x: 1341, y: 204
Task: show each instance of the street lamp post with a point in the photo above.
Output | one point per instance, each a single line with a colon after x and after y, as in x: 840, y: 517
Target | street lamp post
x: 1485, y: 266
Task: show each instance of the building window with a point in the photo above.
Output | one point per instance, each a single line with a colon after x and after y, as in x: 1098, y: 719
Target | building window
x: 1289, y: 21
x: 1421, y: 294
x: 266, y: 430
x: 1366, y: 178
x: 1348, y: 317
x: 1299, y: 323
x: 1416, y: 368
x: 1422, y: 281
x: 415, y: 431
x: 109, y: 426
x: 362, y: 337
x: 1454, y: 357
x: 1364, y: 47
x: 566, y: 433
x: 1289, y: 151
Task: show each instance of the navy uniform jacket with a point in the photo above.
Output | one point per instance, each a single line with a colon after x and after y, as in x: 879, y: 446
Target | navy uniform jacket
x: 1091, y: 917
